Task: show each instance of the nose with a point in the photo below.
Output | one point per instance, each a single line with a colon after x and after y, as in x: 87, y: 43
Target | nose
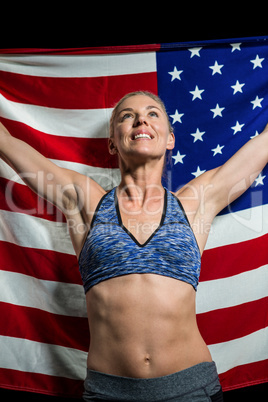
x: 140, y: 120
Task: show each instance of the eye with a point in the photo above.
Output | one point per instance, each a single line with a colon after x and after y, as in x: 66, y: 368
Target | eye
x: 126, y: 116
x: 153, y: 114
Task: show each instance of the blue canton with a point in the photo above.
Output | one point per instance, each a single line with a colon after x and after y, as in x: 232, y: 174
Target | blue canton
x: 216, y: 95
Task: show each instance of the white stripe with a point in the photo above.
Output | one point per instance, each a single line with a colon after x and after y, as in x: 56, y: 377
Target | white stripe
x: 54, y: 235
x: 35, y: 357
x: 54, y: 297
x: 80, y: 123
x: 227, y: 292
x: 238, y: 227
x: 106, y: 178
x: 29, y: 231
x: 248, y: 349
x: 79, y: 66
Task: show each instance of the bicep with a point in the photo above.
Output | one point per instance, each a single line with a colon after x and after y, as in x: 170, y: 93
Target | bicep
x: 66, y: 189
x: 40, y: 174
x: 233, y: 178
x: 217, y: 188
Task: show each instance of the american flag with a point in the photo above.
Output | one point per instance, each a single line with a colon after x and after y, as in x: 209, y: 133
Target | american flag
x: 60, y: 101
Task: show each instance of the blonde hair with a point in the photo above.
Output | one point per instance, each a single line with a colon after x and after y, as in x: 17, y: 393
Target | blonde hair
x: 129, y: 95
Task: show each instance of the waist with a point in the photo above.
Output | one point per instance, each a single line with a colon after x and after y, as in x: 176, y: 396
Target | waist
x: 143, y: 326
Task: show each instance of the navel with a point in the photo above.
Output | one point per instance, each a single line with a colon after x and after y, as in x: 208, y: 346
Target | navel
x: 147, y: 359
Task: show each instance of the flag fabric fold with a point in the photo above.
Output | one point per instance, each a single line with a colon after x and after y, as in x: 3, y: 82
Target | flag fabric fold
x: 60, y: 102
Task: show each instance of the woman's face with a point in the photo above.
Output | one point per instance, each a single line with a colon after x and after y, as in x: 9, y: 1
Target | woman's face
x: 141, y: 130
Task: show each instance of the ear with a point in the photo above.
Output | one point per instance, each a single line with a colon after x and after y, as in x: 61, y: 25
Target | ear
x: 171, y: 141
x: 112, y: 147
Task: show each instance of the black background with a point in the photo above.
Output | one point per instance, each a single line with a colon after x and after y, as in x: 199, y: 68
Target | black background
x: 81, y: 24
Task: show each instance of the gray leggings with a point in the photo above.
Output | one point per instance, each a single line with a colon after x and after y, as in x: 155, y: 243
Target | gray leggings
x: 199, y: 383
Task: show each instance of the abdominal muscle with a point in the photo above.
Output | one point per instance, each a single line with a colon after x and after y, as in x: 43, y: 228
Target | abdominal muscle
x: 143, y: 326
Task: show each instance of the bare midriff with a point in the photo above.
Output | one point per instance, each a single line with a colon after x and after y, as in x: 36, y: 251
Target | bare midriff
x: 143, y: 326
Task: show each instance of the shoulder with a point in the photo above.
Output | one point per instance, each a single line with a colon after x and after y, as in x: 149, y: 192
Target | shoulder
x: 196, y: 198
x: 88, y: 193
x: 198, y: 185
x: 86, y: 184
x: 198, y: 191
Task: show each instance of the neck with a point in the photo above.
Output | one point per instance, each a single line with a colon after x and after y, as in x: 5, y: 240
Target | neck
x: 141, y: 182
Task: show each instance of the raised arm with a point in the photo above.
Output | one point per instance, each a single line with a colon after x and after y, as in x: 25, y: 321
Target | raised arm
x: 204, y: 197
x: 41, y: 175
x: 74, y: 194
x: 233, y: 178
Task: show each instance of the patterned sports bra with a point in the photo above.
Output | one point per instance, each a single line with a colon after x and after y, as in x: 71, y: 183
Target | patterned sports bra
x: 110, y: 250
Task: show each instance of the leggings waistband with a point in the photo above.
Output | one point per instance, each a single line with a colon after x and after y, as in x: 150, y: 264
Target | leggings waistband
x: 202, y: 376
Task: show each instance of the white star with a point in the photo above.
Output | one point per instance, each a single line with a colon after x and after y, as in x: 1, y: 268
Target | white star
x: 257, y: 62
x: 178, y: 158
x: 197, y: 93
x: 257, y: 102
x: 237, y: 127
x: 198, y: 172
x: 175, y: 74
x: 259, y: 180
x: 256, y: 135
x: 237, y: 87
x: 195, y: 51
x: 235, y: 46
x: 217, y: 111
x: 176, y: 117
x: 217, y: 150
x: 216, y: 68
x: 198, y: 135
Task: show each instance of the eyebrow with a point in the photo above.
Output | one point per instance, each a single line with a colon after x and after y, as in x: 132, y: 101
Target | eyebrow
x: 130, y: 109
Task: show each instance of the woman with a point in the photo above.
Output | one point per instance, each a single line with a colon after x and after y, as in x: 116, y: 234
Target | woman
x: 139, y: 254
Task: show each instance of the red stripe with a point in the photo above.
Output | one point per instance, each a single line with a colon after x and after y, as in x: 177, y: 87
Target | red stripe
x: 244, y: 376
x: 40, y: 326
x: 74, y: 93
x: 40, y: 383
x: 16, y: 197
x: 233, y: 322
x: 85, y: 50
x: 41, y: 264
x: 226, y: 261
x: 90, y: 151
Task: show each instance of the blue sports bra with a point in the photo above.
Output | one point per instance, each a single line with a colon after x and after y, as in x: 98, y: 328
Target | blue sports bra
x: 110, y: 250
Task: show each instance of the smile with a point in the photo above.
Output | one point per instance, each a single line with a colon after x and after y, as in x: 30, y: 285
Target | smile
x: 143, y: 136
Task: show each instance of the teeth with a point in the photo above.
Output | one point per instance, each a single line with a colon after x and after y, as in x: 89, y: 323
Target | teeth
x: 142, y: 136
